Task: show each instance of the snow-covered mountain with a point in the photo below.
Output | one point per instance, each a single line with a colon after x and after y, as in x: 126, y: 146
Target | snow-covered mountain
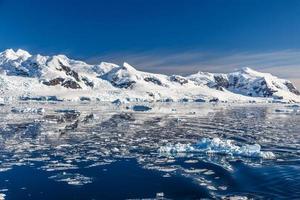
x: 24, y: 76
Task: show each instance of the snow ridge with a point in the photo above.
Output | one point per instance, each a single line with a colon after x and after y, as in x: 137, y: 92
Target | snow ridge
x: 32, y: 77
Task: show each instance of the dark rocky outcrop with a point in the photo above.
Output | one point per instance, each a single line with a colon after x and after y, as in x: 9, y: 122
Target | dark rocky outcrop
x: 126, y: 85
x: 69, y: 71
x: 153, y: 80
x: 178, y: 79
x: 87, y: 82
x: 71, y: 84
x: 56, y: 81
x: 221, y: 81
x: 21, y: 72
x: 264, y: 89
x: 61, y: 81
x: 292, y: 88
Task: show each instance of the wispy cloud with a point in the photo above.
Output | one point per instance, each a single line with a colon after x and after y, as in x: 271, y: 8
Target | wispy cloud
x: 285, y: 64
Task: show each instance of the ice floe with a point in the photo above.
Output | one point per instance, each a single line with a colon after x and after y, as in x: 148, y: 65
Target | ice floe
x: 218, y: 146
x: 72, y: 179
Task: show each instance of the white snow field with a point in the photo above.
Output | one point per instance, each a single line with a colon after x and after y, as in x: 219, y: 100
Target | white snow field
x: 51, y: 78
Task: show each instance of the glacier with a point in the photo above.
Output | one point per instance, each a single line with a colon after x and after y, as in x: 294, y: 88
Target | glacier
x: 58, y: 78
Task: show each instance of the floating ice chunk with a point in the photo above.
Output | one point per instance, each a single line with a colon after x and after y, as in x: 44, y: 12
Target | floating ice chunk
x: 2, y: 196
x: 166, y: 169
x: 177, y: 148
x: 210, y: 187
x: 209, y: 172
x: 235, y: 197
x: 167, y: 175
x: 193, y: 170
x: 222, y: 188
x: 160, y: 195
x: 4, y: 169
x: 191, y: 161
x: 218, y: 146
x: 58, y: 167
x: 72, y: 179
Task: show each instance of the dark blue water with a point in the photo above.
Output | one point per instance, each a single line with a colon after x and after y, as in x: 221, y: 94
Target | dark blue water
x: 100, y: 152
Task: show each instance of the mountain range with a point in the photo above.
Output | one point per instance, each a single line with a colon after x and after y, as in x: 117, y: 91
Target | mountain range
x: 58, y: 78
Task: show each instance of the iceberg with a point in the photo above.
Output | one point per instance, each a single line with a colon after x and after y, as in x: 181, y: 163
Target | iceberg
x: 218, y: 146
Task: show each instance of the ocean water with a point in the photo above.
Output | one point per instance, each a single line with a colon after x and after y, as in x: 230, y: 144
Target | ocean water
x: 173, y: 151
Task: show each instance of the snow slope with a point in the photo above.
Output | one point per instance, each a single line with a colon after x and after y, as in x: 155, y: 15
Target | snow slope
x: 24, y: 76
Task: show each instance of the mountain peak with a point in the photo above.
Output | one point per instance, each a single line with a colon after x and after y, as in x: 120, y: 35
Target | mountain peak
x: 128, y: 67
x: 248, y: 70
x: 23, y: 53
x: 252, y: 72
x: 13, y: 55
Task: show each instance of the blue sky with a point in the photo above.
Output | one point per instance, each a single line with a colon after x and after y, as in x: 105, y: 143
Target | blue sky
x: 186, y: 35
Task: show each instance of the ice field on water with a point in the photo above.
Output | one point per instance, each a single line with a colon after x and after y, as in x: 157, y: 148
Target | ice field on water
x: 65, y: 150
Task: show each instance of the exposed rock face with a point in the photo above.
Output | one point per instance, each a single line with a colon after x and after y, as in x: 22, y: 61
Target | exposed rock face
x: 120, y: 81
x: 65, y: 83
x: 264, y: 89
x: 221, y: 81
x: 21, y: 72
x: 87, y: 82
x: 153, y: 80
x: 179, y: 79
x: 69, y: 72
x: 56, y: 81
x: 292, y: 88
x: 125, y: 84
x: 71, y: 84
